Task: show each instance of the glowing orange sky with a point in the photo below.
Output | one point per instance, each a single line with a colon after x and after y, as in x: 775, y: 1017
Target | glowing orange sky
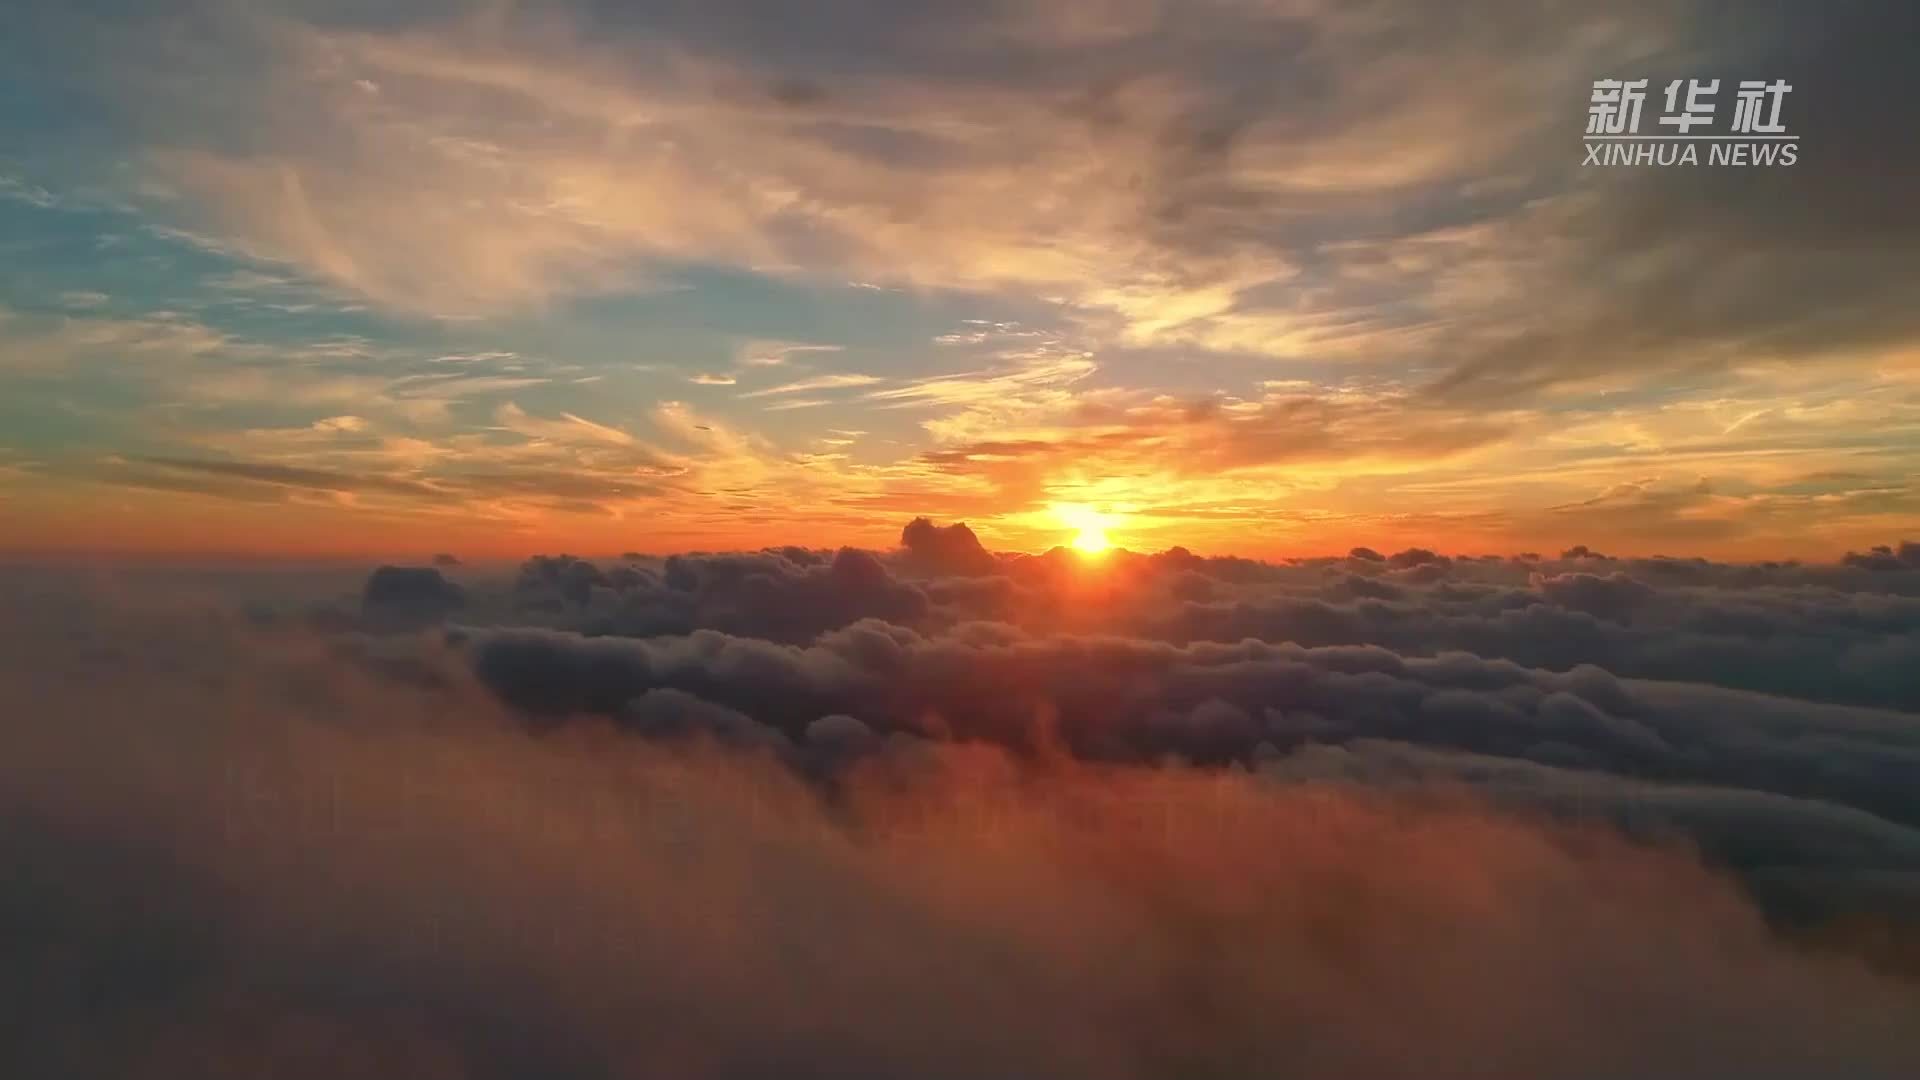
x: 474, y: 280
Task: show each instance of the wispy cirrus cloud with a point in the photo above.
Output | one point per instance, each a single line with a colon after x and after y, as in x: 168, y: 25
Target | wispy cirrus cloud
x: 1166, y: 194
x: 568, y: 428
x: 815, y: 383
x: 754, y: 354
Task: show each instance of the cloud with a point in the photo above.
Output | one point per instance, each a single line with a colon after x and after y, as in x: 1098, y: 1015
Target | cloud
x: 774, y: 353
x: 290, y: 476
x: 84, y: 298
x: 1613, y: 597
x: 1884, y: 557
x: 326, y: 851
x: 789, y: 594
x: 1030, y: 436
x: 818, y: 382
x: 16, y: 189
x: 569, y: 428
x: 941, y: 550
x: 408, y: 597
x: 1817, y: 632
x: 993, y: 682
x: 1161, y: 179
x: 40, y: 346
x: 1678, y: 697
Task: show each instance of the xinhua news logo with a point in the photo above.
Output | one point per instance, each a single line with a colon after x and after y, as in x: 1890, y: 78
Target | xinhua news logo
x: 1754, y: 136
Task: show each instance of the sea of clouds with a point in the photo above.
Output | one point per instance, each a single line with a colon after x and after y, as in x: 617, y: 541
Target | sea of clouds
x: 936, y: 811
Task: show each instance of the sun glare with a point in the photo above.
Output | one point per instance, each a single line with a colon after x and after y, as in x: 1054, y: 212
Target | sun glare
x: 1091, y: 541
x: 1089, y: 528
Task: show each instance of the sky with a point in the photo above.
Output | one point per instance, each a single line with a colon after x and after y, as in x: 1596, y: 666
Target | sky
x: 1268, y: 277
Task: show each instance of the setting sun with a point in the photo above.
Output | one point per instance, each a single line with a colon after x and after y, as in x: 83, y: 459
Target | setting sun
x: 1089, y: 527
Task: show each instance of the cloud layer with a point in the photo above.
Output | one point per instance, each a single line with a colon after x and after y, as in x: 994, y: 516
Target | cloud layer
x: 256, y: 850
x: 936, y: 811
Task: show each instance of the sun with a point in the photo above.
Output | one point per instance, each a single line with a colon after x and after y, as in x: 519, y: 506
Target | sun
x: 1089, y: 528
x: 1091, y: 541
